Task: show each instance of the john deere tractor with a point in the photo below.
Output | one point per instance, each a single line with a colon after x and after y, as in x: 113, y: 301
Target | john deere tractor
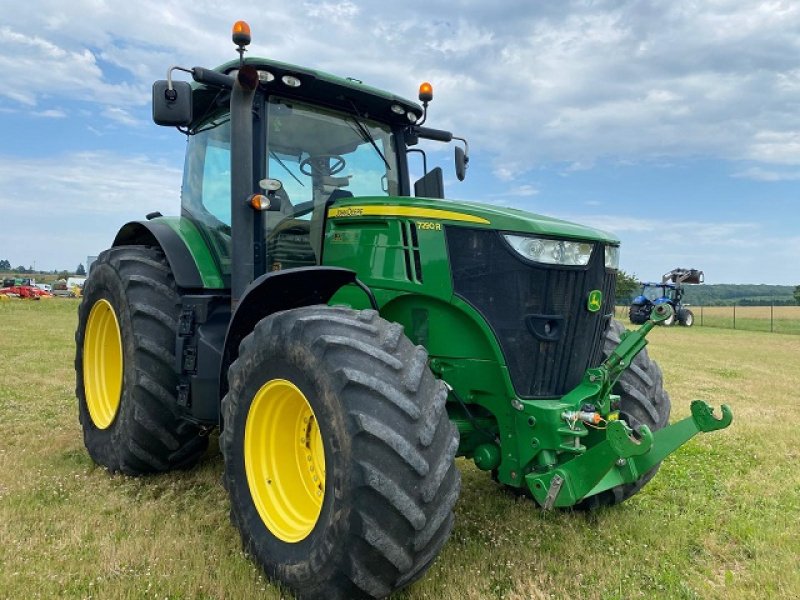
x: 351, y: 333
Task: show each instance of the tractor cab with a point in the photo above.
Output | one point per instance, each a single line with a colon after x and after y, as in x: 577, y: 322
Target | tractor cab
x: 657, y: 293
x: 317, y: 139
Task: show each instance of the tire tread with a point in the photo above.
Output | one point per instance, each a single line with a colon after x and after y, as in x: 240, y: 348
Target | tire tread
x: 403, y: 445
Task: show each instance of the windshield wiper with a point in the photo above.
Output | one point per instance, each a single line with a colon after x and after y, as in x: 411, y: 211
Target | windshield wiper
x: 366, y: 135
x: 285, y: 168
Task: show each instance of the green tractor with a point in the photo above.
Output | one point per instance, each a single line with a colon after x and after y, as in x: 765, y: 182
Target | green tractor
x: 350, y: 334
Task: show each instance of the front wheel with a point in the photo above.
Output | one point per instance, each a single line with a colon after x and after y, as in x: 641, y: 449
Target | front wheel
x: 339, y: 455
x: 639, y: 313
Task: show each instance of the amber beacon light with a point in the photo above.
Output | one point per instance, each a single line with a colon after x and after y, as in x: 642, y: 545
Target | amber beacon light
x: 241, y: 33
x: 425, y: 92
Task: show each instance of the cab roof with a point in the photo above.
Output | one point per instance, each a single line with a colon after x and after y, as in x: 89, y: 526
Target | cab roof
x: 316, y: 87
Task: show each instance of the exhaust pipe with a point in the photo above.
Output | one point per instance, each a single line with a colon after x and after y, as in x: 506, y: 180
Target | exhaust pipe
x: 243, y: 259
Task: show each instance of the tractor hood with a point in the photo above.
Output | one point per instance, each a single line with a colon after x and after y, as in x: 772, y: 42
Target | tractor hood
x: 470, y: 214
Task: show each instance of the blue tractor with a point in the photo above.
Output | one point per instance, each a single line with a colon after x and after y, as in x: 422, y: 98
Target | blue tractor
x: 669, y: 291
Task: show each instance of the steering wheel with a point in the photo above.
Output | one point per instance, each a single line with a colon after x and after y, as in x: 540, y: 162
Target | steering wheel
x: 314, y: 165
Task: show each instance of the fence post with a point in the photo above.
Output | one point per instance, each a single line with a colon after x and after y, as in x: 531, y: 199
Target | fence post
x: 701, y: 315
x: 734, y: 314
x: 771, y: 313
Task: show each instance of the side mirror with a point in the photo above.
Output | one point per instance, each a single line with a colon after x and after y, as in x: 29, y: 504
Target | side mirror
x: 172, y: 106
x: 461, y: 163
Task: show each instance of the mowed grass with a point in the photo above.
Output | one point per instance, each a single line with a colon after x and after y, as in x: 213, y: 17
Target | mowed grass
x: 779, y: 319
x: 721, y: 520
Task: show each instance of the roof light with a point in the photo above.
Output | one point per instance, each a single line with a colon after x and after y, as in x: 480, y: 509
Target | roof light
x: 425, y: 92
x: 265, y: 76
x: 291, y: 81
x: 412, y: 116
x: 241, y: 33
x: 398, y: 110
x: 270, y: 185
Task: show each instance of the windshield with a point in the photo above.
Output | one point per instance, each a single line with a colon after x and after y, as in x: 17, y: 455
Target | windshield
x: 316, y: 152
x: 654, y: 292
x: 319, y: 156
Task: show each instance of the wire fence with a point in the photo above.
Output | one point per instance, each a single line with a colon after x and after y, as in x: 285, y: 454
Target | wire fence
x: 770, y: 318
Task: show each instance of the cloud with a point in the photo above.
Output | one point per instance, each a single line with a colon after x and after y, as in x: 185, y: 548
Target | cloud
x: 569, y: 82
x: 120, y: 115
x: 51, y: 113
x: 336, y: 12
x: 88, y: 182
x: 762, y: 174
x: 45, y: 68
x: 614, y: 223
x: 776, y: 147
x: 524, y: 190
x: 728, y: 252
x: 73, y: 205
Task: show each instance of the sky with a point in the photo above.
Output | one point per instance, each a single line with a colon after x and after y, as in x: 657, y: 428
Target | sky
x: 674, y: 125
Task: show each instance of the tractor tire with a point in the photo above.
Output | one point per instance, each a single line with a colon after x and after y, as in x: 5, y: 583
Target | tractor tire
x: 643, y: 400
x: 669, y: 321
x: 686, y: 317
x: 339, y: 454
x: 639, y: 313
x: 125, y: 366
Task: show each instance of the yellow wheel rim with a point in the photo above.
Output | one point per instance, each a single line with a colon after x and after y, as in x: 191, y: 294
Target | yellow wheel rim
x: 102, y: 364
x: 284, y: 460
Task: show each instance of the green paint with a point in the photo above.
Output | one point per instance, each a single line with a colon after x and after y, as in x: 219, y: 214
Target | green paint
x: 621, y: 458
x: 397, y: 247
x: 528, y: 442
x: 502, y: 218
x: 487, y: 457
x: 209, y: 271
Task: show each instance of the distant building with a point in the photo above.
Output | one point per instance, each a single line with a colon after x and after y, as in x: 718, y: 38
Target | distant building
x: 89, y: 261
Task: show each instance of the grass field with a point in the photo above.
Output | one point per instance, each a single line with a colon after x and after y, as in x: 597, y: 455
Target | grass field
x: 721, y: 520
x: 782, y: 319
x: 777, y: 319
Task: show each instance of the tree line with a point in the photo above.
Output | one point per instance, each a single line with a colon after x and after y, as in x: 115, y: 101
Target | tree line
x: 718, y: 294
x: 5, y: 267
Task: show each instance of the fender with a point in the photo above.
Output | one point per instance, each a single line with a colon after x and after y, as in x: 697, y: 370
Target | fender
x: 277, y: 291
x: 187, y: 254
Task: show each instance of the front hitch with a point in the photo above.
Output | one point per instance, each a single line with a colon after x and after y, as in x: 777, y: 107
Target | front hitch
x: 621, y: 458
x: 624, y: 456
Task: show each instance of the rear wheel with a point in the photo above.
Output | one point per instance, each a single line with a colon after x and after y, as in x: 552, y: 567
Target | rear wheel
x: 339, y: 455
x: 643, y: 402
x: 686, y: 317
x: 124, y: 365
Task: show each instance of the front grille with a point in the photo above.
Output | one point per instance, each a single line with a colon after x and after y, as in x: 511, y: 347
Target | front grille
x: 538, y: 312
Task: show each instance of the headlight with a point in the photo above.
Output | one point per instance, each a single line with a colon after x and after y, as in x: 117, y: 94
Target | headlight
x: 612, y: 257
x: 551, y: 252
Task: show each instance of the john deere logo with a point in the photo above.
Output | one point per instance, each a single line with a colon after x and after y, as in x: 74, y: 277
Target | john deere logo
x: 595, y: 301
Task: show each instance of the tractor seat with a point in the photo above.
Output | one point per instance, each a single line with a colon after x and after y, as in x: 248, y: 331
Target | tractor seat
x: 288, y: 244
